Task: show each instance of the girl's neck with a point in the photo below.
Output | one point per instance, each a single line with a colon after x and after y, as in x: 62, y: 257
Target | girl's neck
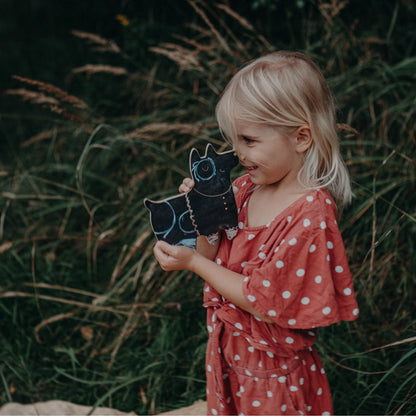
x: 268, y: 201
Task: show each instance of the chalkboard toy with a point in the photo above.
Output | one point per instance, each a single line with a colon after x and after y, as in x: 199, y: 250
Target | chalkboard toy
x: 208, y: 207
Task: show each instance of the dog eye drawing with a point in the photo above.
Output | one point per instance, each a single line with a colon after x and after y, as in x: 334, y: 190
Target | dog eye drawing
x: 207, y: 208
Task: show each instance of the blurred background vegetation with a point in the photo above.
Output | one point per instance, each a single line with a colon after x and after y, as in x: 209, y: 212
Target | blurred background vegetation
x: 100, y: 104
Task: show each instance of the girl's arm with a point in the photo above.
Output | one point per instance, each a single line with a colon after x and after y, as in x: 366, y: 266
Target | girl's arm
x: 228, y: 283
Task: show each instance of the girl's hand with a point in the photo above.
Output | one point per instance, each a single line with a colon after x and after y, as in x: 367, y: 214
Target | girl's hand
x: 173, y: 258
x: 187, y: 185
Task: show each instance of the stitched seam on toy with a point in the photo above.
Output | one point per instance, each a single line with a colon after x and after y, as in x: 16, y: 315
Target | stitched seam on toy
x: 214, y: 195
x: 191, y: 215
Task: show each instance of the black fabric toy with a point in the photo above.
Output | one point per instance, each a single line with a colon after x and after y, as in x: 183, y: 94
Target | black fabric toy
x: 207, y: 208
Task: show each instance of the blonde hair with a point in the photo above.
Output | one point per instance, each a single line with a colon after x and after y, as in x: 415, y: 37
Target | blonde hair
x: 287, y: 90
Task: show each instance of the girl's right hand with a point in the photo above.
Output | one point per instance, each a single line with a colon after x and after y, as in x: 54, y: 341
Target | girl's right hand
x: 187, y: 185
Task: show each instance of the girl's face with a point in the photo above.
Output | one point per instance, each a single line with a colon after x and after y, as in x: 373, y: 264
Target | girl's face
x: 269, y: 156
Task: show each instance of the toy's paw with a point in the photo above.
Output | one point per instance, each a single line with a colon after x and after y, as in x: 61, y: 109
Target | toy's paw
x: 232, y: 232
x: 212, y: 239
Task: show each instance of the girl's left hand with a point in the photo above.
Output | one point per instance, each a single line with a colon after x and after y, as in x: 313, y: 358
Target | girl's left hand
x: 173, y: 258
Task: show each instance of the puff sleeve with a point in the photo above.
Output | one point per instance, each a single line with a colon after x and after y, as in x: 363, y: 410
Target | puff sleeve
x: 302, y: 279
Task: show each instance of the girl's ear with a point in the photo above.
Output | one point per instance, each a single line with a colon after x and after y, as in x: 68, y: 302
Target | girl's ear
x: 304, y: 139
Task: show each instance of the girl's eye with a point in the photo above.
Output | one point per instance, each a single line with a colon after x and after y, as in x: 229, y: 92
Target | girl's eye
x: 247, y: 140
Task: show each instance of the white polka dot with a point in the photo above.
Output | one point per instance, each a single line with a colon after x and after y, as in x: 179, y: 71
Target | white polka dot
x: 251, y: 236
x: 289, y: 218
x: 283, y: 407
x: 262, y: 255
x: 339, y: 269
x: 210, y: 329
x: 262, y: 247
x: 309, y: 198
x: 231, y: 305
x: 247, y: 372
x: 319, y: 392
x: 328, y: 201
x: 289, y: 340
x: 250, y: 349
x: 306, y: 222
x: 286, y: 294
x: 214, y: 411
x: 240, y: 225
x: 294, y: 388
x: 272, y: 313
x: 326, y: 310
x: 313, y: 368
x: 326, y: 413
x: 269, y: 394
x: 236, y: 334
x: 237, y: 357
x: 256, y: 404
x: 270, y: 354
x: 242, y: 388
x: 300, y: 272
x: 243, y: 264
x: 292, y: 242
x: 301, y: 381
x: 219, y: 261
x: 282, y: 379
x: 347, y: 291
x: 209, y: 369
x: 239, y: 326
x: 318, y: 279
x: 251, y: 298
x: 207, y: 289
x: 312, y: 248
x: 329, y: 245
x: 263, y: 342
x: 245, y: 279
x: 292, y: 322
x: 280, y: 264
x: 323, y: 371
x: 355, y: 312
x: 323, y: 225
x: 266, y: 283
x: 305, y: 301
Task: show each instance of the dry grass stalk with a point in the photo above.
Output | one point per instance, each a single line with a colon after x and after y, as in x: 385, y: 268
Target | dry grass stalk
x: 184, y: 58
x: 93, y: 69
x: 204, y: 17
x: 46, y: 134
x: 243, y: 22
x: 50, y: 320
x: 331, y: 8
x: 32, y: 96
x: 156, y: 130
x: 105, y: 45
x: 90, y: 306
x: 56, y: 91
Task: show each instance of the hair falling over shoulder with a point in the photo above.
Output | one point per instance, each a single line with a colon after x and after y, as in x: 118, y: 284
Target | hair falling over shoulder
x: 288, y: 90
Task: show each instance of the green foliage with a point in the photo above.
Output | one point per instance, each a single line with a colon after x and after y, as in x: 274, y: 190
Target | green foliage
x: 87, y: 315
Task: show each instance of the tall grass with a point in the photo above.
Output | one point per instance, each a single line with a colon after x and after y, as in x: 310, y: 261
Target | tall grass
x: 88, y: 316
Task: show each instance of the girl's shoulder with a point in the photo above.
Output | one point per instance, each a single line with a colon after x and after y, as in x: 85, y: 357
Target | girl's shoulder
x: 243, y: 187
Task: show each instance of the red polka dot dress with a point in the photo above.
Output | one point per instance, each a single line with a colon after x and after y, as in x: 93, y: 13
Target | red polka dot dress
x: 296, y: 274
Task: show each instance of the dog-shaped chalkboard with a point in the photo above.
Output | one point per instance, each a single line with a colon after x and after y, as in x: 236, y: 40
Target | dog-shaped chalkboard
x: 207, y: 208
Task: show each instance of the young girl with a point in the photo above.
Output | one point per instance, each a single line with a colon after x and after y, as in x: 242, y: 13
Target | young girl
x: 285, y: 273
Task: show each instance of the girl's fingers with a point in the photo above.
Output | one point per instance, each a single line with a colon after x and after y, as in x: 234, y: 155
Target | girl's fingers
x: 187, y: 185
